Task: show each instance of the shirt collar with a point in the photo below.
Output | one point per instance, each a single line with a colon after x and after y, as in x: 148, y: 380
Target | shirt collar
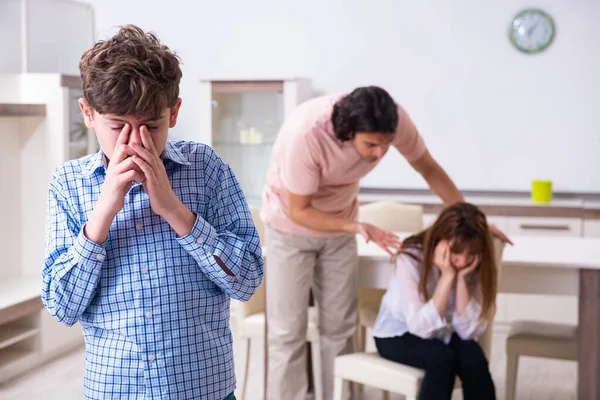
x: 173, y: 153
x: 92, y: 164
x: 97, y: 161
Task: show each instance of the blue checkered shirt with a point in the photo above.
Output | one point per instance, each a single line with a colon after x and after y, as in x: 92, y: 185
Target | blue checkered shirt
x: 153, y: 307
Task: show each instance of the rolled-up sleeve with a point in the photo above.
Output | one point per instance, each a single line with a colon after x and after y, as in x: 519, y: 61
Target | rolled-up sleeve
x: 226, y: 245
x: 422, y: 318
x: 468, y: 325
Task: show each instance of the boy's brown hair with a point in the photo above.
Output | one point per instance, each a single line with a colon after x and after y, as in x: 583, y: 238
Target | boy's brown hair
x: 132, y: 73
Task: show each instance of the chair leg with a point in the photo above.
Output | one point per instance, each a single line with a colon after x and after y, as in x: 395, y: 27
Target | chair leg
x: 361, y: 345
x: 354, y: 387
x: 317, y: 370
x: 512, y: 366
x: 245, y: 362
x: 338, y: 388
x: 363, y: 338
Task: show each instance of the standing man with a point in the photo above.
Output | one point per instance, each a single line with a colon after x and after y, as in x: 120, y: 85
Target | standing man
x: 310, y: 207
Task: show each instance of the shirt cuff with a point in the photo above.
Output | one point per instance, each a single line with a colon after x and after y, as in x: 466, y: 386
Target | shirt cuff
x: 87, y: 254
x: 203, y: 236
x: 469, y: 315
x: 203, y: 244
x: 435, y: 321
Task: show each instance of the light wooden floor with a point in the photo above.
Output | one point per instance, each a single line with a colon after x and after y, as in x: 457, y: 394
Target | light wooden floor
x: 62, y: 379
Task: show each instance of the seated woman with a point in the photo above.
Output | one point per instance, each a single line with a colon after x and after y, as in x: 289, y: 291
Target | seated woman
x: 439, y: 301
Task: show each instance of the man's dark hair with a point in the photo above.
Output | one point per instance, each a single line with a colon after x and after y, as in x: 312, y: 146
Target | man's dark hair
x: 367, y: 109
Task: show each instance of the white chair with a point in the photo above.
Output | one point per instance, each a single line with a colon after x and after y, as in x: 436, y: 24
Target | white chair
x: 372, y: 370
x: 537, y: 339
x: 249, y: 320
x: 393, y: 217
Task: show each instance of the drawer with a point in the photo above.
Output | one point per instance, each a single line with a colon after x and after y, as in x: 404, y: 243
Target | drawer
x: 546, y: 308
x: 544, y: 226
x: 591, y: 228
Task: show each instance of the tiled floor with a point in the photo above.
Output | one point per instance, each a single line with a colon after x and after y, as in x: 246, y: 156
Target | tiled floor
x: 538, y: 379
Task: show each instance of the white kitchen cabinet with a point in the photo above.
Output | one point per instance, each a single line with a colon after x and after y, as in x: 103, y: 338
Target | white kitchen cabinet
x: 240, y: 119
x: 591, y: 228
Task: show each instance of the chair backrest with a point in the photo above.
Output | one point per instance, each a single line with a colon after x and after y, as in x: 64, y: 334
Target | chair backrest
x: 485, y: 340
x: 260, y: 225
x: 395, y: 217
x: 256, y: 303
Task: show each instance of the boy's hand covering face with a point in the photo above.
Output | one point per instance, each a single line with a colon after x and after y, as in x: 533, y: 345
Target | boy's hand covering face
x: 156, y: 183
x: 120, y: 173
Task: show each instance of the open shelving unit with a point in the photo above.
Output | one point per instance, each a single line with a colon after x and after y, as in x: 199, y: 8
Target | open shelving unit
x: 37, y: 133
x: 20, y: 308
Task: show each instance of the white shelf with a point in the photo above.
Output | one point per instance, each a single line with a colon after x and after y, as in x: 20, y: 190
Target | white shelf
x: 18, y: 290
x: 13, y: 335
x: 14, y: 359
x: 22, y: 110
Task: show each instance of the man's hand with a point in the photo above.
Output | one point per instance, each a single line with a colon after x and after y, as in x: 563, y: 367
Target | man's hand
x: 386, y: 240
x: 498, y: 233
x: 163, y: 199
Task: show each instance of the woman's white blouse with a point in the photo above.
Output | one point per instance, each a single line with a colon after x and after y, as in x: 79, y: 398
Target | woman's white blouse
x: 403, y: 310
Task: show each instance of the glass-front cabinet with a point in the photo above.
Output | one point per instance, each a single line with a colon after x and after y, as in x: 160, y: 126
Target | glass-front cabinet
x: 240, y: 119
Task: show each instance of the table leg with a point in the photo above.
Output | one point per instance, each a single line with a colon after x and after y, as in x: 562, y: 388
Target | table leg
x: 589, y: 334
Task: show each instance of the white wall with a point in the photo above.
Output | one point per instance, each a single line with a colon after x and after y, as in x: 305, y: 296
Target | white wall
x: 10, y: 36
x: 58, y: 31
x: 476, y: 100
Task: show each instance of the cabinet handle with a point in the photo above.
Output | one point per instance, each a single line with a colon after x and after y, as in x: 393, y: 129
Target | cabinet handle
x: 545, y: 227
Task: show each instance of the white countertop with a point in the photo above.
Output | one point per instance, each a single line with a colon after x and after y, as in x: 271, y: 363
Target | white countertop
x: 531, y: 251
x: 479, y: 200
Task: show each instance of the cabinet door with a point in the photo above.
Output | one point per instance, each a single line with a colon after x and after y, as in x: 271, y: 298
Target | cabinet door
x: 591, y: 228
x: 243, y: 119
x: 538, y: 226
x: 548, y: 308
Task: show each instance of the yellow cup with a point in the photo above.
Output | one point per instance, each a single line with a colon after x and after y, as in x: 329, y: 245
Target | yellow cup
x: 541, y: 192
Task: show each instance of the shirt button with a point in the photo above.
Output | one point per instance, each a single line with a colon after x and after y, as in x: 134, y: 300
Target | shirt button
x: 148, y: 315
x: 100, y: 257
x: 144, y: 270
x: 151, y: 357
x: 199, y: 240
x: 139, y: 227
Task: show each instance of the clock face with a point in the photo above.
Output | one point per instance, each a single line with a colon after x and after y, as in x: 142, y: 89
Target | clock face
x: 531, y: 31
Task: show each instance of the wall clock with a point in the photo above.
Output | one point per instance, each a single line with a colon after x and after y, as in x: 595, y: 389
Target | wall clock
x: 531, y: 31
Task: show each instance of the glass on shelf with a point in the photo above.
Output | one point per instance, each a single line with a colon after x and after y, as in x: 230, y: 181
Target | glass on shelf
x: 245, y: 126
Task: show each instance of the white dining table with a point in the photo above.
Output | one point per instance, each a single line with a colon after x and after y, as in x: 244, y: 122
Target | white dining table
x: 538, y: 265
